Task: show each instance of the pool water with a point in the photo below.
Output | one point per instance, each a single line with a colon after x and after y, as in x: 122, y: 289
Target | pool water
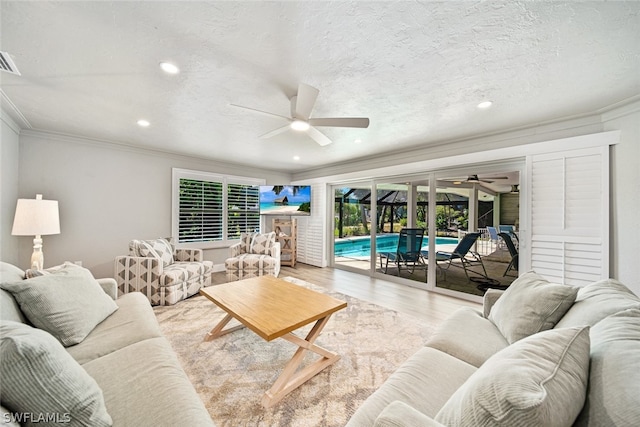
x: 361, y: 246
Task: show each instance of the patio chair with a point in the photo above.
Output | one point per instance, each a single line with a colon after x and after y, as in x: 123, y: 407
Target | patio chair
x: 407, y: 254
x: 509, y: 229
x: 513, y: 251
x: 462, y: 252
x: 493, y: 236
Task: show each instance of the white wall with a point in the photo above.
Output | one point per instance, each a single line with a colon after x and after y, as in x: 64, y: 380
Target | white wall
x: 9, y: 159
x: 108, y: 194
x: 625, y: 196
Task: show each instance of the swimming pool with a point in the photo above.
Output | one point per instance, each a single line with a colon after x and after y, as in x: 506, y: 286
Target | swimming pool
x: 361, y: 246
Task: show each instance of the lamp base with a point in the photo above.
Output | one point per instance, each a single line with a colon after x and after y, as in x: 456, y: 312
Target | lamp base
x: 37, y: 257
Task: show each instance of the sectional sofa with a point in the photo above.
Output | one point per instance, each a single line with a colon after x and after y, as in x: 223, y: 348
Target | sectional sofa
x: 539, y: 354
x: 74, y: 354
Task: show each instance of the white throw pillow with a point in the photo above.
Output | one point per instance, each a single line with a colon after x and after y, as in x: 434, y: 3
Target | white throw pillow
x: 539, y: 381
x: 42, y: 381
x: 531, y: 304
x: 67, y: 303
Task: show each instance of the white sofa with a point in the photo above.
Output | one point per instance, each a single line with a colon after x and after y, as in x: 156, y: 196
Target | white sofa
x: 533, y: 356
x: 122, y: 373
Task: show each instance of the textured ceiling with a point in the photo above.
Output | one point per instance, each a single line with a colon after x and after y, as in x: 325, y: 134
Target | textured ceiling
x: 416, y: 69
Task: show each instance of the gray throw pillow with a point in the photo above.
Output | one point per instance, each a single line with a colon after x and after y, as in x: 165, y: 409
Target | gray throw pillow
x: 42, y: 381
x: 530, y: 305
x: 539, y: 381
x: 67, y: 303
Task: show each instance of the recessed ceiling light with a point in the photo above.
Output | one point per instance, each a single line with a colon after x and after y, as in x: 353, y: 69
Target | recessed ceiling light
x: 357, y: 141
x: 485, y: 104
x: 169, y: 68
x: 300, y: 125
x: 296, y: 158
x: 143, y: 123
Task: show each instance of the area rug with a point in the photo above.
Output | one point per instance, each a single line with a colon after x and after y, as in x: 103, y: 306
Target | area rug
x: 232, y: 372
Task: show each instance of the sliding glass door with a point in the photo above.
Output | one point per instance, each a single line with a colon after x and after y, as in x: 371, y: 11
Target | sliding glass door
x: 352, y: 227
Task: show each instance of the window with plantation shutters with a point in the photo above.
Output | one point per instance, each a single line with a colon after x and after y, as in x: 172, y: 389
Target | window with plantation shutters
x: 243, y: 209
x: 200, y: 211
x: 212, y: 208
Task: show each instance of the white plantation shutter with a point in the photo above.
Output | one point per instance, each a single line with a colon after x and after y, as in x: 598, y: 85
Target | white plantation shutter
x: 200, y: 211
x: 570, y: 215
x: 243, y: 209
x: 310, y: 242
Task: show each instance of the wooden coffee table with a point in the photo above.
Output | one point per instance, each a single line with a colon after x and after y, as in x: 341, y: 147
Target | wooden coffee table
x: 274, y: 308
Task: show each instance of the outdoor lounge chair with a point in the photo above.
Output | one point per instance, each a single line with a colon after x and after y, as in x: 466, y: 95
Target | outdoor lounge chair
x: 493, y: 235
x: 462, y: 256
x: 513, y: 264
x: 407, y: 255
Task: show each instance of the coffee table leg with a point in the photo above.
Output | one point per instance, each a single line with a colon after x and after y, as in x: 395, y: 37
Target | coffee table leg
x: 218, y: 330
x: 291, y: 378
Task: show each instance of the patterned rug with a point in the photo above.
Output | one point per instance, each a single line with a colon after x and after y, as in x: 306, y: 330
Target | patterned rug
x: 232, y: 372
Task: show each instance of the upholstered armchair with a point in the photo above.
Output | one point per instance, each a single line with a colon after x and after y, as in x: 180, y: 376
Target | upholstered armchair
x: 163, y: 273
x: 255, y: 255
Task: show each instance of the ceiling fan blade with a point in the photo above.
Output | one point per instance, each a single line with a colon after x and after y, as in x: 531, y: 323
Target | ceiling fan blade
x: 275, y: 132
x: 343, y: 122
x: 318, y: 136
x: 486, y: 180
x: 260, y: 111
x: 305, y: 100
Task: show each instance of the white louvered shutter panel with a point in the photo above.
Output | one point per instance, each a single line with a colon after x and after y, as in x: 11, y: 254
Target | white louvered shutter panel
x: 310, y: 241
x: 243, y: 209
x: 570, y: 215
x: 199, y: 211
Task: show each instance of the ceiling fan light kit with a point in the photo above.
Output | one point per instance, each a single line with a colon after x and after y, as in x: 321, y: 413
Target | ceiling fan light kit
x: 300, y: 125
x: 301, y: 106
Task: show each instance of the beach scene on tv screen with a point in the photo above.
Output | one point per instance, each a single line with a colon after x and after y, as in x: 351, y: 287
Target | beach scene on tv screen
x: 285, y: 199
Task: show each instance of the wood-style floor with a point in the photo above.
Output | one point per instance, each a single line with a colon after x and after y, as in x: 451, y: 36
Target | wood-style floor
x: 428, y: 306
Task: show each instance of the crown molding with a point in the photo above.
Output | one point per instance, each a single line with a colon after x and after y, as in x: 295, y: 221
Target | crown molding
x: 208, y: 163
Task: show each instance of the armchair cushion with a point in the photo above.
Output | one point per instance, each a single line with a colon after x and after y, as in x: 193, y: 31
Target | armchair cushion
x: 261, y: 243
x: 156, y: 248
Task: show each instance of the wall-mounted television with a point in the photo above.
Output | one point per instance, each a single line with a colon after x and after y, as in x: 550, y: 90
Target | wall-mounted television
x: 285, y: 200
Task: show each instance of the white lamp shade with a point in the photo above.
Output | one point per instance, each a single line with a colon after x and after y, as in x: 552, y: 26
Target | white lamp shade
x: 36, y: 217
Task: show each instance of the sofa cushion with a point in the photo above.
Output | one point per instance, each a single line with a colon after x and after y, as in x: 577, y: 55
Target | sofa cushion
x: 474, y: 343
x: 398, y: 414
x: 530, y: 305
x: 144, y: 385
x: 133, y: 321
x: 598, y: 300
x: 68, y: 303
x: 39, y: 377
x: 425, y: 382
x: 614, y: 380
x: 539, y: 381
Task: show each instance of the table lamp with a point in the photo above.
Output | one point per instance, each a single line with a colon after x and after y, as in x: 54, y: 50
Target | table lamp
x: 36, y: 217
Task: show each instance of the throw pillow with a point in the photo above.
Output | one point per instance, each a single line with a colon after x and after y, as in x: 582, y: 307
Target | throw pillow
x: 31, y: 273
x: 41, y: 380
x: 261, y: 243
x: 539, y: 381
x: 68, y: 303
x: 530, y: 305
x: 158, y: 248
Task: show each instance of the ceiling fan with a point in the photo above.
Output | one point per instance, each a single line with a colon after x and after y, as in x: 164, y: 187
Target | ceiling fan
x: 474, y: 179
x: 301, y: 106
